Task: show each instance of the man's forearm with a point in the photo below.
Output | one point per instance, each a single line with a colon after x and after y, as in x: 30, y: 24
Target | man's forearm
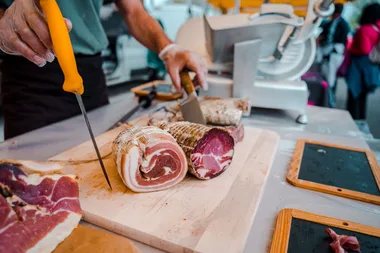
x: 142, y: 26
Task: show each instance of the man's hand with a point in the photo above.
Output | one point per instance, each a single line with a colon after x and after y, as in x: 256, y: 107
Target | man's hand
x: 149, y: 33
x: 24, y: 31
x: 177, y: 59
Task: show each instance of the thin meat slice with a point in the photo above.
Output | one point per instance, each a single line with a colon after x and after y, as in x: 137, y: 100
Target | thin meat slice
x: 148, y: 159
x: 42, y: 168
x: 36, y: 212
x: 209, y: 151
x: 341, y: 243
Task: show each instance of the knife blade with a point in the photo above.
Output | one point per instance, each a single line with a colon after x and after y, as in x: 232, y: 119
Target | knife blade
x: 64, y: 52
x: 144, y: 102
x: 191, y: 110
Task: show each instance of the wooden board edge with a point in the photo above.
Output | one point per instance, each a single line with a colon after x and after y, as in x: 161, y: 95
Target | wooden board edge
x: 295, y: 165
x: 341, y: 192
x: 280, y: 239
x: 369, y: 154
x: 84, y: 238
x: 329, y: 221
x: 333, y: 145
x: 270, y: 136
x: 276, y: 137
x: 138, y: 91
x: 374, y: 166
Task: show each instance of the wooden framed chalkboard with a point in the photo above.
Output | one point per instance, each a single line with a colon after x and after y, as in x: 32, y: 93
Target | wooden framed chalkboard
x: 339, y: 170
x: 164, y: 90
x: 298, y: 231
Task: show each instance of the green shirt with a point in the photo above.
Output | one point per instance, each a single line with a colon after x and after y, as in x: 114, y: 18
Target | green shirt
x: 87, y: 35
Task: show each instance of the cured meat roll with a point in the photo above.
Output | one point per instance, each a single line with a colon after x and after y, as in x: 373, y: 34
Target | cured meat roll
x: 217, y: 111
x: 209, y: 151
x: 36, y: 212
x: 148, y: 159
x: 237, y: 103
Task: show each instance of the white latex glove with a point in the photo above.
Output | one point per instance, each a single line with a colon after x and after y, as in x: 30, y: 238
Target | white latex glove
x: 24, y: 31
x: 177, y: 59
x: 106, y: 11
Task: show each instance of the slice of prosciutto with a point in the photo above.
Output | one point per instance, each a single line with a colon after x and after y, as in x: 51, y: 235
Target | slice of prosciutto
x: 209, y: 151
x: 36, y: 212
x: 148, y: 159
x: 341, y: 243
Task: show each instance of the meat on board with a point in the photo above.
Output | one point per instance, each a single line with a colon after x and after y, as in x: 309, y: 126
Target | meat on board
x: 148, y: 159
x: 36, y: 212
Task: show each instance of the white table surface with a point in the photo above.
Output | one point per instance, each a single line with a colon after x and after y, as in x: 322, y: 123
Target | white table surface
x: 328, y: 125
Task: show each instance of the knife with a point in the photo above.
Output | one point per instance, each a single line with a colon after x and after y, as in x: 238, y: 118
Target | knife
x: 191, y: 110
x: 65, y: 55
x: 144, y: 102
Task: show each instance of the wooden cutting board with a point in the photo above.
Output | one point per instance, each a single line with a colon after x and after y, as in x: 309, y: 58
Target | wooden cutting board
x: 85, y: 239
x: 195, y: 215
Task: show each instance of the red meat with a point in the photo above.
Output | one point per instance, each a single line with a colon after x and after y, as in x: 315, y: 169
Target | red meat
x: 36, y: 212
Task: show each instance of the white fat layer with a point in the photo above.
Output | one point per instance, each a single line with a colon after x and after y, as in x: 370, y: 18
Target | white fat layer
x: 145, y: 162
x: 202, y: 173
x: 132, y: 158
x: 197, y: 158
x: 6, y: 227
x: 57, y: 235
x: 130, y: 166
x: 42, y: 167
x: 167, y: 170
x: 131, y: 171
x: 36, y: 179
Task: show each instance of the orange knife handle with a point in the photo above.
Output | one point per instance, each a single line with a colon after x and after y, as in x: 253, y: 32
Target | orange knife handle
x: 62, y: 46
x: 186, y: 82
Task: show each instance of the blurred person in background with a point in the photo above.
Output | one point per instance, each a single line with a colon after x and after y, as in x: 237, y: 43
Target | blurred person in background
x: 362, y: 75
x: 332, y: 42
x: 31, y: 80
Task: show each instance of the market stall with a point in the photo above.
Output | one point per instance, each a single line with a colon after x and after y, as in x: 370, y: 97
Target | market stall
x: 326, y: 125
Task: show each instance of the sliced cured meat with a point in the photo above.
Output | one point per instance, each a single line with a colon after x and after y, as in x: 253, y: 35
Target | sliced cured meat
x: 209, y: 151
x: 148, y: 159
x: 30, y: 167
x: 36, y: 212
x: 342, y: 243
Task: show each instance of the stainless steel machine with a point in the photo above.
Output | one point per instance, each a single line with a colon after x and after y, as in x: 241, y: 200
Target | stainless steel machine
x: 261, y: 56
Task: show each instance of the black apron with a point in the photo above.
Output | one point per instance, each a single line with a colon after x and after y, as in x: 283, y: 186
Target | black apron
x: 32, y: 97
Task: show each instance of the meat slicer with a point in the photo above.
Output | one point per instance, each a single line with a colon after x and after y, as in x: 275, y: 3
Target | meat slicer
x: 261, y: 56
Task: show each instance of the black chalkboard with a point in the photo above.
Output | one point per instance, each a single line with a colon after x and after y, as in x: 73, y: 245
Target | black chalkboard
x: 310, y: 237
x: 338, y: 167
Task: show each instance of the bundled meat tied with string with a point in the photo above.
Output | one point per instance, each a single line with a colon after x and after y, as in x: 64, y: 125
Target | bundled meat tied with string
x: 209, y: 151
x: 217, y: 111
x: 148, y: 159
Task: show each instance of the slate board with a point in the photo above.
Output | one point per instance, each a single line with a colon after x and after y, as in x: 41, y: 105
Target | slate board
x: 334, y: 169
x: 310, y: 237
x: 338, y: 167
x: 298, y: 231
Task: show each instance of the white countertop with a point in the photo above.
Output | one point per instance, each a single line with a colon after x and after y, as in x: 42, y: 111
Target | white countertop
x: 328, y: 125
